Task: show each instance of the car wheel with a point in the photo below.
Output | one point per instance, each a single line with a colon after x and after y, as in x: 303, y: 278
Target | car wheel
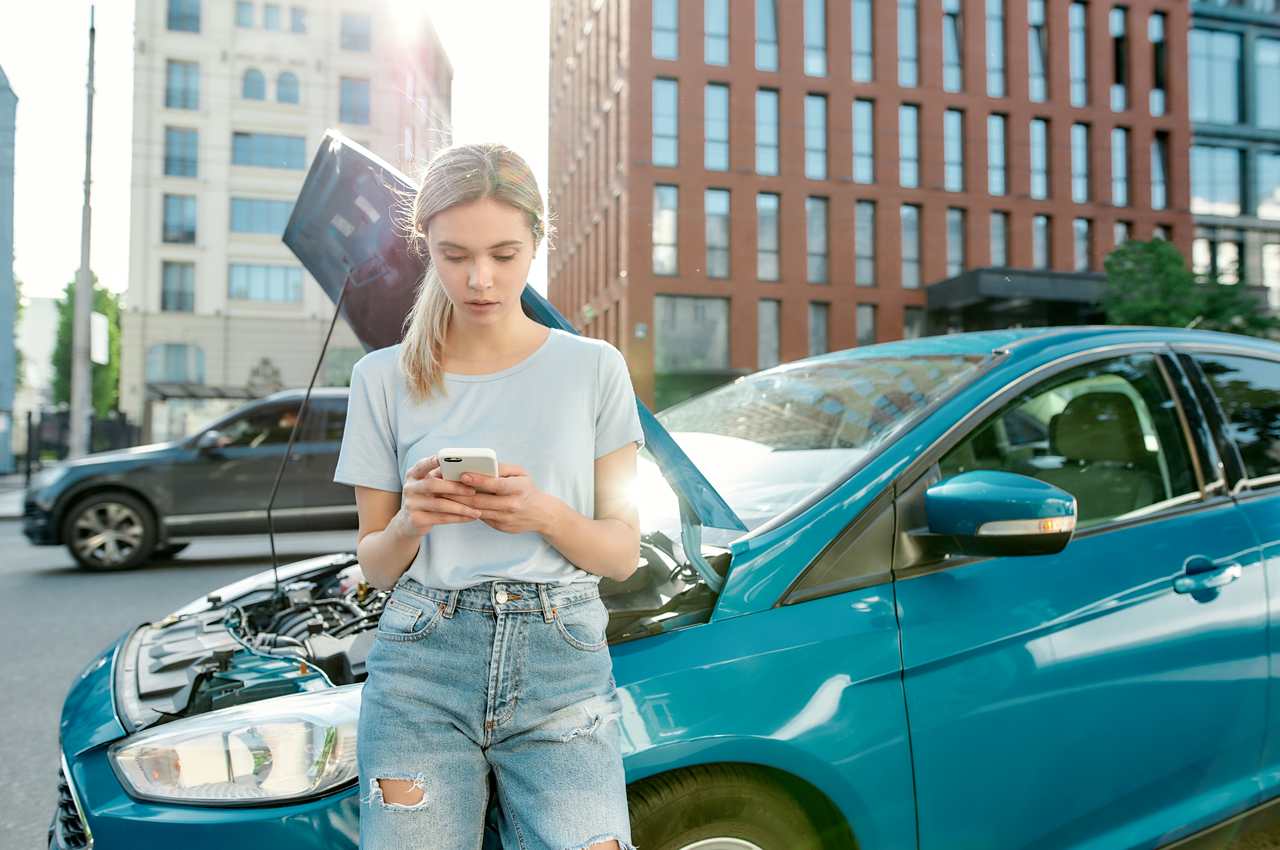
x: 109, y: 531
x: 729, y: 807
x: 169, y: 550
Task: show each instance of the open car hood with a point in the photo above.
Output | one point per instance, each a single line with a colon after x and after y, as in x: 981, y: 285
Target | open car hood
x: 344, y: 231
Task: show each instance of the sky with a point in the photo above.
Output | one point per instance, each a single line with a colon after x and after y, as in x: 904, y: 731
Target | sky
x: 499, y: 51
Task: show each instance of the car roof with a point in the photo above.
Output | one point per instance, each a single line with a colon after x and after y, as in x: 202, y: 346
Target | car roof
x: 299, y: 392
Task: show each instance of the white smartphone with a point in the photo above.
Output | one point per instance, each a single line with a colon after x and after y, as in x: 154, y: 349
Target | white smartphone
x: 455, y: 461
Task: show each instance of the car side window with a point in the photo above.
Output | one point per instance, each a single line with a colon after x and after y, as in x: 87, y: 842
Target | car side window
x: 1248, y: 390
x: 262, y: 426
x: 333, y: 420
x: 1107, y: 432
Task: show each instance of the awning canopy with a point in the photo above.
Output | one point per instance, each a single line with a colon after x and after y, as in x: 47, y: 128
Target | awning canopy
x: 165, y: 390
x: 983, y: 299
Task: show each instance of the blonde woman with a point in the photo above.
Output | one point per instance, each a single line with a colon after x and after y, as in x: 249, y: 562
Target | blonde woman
x: 490, y: 654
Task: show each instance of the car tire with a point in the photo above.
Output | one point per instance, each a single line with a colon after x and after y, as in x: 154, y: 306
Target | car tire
x: 123, y: 525
x: 731, y: 807
x: 169, y: 550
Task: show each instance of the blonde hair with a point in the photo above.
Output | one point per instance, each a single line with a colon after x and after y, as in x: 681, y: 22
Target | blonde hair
x: 457, y: 175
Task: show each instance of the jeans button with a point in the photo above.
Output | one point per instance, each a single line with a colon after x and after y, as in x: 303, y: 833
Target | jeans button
x: 501, y: 596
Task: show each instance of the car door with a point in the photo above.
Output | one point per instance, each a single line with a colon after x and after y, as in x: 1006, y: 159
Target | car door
x: 226, y: 488
x: 1246, y: 399
x: 1111, y: 695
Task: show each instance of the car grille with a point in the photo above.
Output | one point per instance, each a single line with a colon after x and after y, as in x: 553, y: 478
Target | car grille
x: 68, y: 830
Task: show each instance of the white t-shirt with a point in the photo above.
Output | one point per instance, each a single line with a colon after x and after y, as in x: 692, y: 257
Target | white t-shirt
x: 554, y: 413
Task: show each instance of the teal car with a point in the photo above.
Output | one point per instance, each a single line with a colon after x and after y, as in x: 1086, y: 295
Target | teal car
x: 997, y: 590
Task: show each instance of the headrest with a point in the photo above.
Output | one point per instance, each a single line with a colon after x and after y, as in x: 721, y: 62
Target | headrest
x: 1098, y: 426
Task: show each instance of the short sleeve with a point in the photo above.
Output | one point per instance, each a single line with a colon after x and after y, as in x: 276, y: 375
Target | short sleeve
x: 617, y: 416
x: 368, y: 453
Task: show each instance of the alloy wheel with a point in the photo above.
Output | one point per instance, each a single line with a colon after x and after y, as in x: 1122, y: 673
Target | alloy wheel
x: 107, y: 533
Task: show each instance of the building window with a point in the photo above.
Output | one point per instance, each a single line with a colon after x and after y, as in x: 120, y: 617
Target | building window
x: 864, y: 141
x: 815, y: 215
x: 863, y: 40
x: 1080, y: 163
x: 177, y: 287
x: 666, y: 129
x: 1271, y: 272
x: 1078, y: 52
x: 1039, y: 158
x: 715, y: 23
x: 1040, y: 242
x: 180, y: 146
x: 908, y: 43
x: 179, y: 218
x: 952, y: 46
x: 716, y: 130
x: 1159, y: 63
x: 996, y: 85
x: 1122, y: 232
x: 1266, y: 61
x: 910, y: 247
x: 767, y: 332
x: 1082, y: 237
x: 1215, y: 180
x: 253, y: 86
x: 1268, y: 185
x: 1037, y: 52
x: 866, y: 324
x: 913, y: 323
x: 184, y: 15
x: 175, y: 362
x: 766, y: 131
x: 815, y: 38
x: 717, y: 215
x: 259, y: 215
x: 182, y: 85
x: 955, y: 242
x: 1119, y: 22
x: 271, y: 17
x: 666, y: 29
x: 997, y: 155
x: 815, y: 136
x: 864, y: 243
x: 766, y: 35
x: 909, y: 146
x: 953, y: 150
x: 1215, y: 76
x: 297, y: 19
x: 690, y: 334
x: 1217, y: 252
x: 999, y: 239
x: 1162, y: 231
x: 665, y: 204
x: 353, y: 101
x: 249, y: 282
x: 269, y: 150
x: 1120, y: 167
x: 819, y: 318
x: 244, y: 14
x: 355, y: 32
x: 1160, y: 171
x: 768, y: 242
x: 287, y: 87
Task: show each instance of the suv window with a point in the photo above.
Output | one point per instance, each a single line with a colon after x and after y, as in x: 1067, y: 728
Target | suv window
x: 1248, y: 389
x: 262, y: 426
x: 1105, y: 432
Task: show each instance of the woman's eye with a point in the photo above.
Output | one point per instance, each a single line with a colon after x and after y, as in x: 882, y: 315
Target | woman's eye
x: 505, y: 259
x: 454, y: 259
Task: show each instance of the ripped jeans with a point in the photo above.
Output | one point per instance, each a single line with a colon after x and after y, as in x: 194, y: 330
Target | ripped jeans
x: 505, y: 676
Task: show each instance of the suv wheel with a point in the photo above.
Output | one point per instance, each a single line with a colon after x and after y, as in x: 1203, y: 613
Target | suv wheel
x: 109, y: 531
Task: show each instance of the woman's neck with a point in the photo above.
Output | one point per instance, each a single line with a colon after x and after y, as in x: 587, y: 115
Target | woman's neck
x: 490, y: 347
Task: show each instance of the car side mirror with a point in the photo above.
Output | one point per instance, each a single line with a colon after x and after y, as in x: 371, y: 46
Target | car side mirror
x: 989, y: 512
x: 209, y: 441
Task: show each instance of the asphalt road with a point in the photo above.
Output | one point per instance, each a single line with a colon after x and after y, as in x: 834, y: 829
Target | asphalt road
x: 56, y: 616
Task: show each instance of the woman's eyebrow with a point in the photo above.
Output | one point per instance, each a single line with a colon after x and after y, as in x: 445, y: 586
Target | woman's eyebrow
x: 507, y: 244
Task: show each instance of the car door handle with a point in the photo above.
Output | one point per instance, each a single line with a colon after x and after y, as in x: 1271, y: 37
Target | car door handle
x: 1194, y: 580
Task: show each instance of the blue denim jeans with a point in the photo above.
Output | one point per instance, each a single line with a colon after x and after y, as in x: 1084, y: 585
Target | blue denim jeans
x: 509, y: 677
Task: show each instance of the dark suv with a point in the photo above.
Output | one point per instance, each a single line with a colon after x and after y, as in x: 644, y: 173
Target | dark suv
x: 114, y: 510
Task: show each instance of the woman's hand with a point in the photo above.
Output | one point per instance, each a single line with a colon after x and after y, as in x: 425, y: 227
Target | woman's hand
x: 427, y: 499
x: 510, y: 502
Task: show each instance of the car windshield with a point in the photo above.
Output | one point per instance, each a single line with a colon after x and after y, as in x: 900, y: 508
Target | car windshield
x: 768, y: 441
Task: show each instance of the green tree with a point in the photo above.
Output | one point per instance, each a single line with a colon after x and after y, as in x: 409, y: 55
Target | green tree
x: 104, y: 378
x: 1149, y: 283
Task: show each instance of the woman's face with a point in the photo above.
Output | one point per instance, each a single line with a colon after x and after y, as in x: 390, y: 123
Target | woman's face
x: 482, y: 251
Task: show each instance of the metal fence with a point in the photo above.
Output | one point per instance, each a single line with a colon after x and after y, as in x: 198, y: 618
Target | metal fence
x: 48, y: 434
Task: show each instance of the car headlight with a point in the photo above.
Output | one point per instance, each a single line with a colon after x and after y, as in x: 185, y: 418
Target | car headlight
x: 275, y: 750
x: 45, y: 477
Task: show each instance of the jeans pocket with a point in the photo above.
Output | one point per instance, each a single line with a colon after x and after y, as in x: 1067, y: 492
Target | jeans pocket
x: 403, y: 620
x: 583, y: 625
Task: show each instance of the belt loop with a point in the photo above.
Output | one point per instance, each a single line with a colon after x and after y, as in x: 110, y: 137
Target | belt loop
x: 452, y: 604
x: 548, y: 613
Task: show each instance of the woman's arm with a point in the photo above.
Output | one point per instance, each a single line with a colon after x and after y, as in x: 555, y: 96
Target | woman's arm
x: 608, y: 545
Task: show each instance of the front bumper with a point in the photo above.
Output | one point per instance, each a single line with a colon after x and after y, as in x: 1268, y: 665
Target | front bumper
x: 68, y: 830
x: 38, y: 524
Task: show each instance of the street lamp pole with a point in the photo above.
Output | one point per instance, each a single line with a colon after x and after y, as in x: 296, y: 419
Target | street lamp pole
x: 81, y: 388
